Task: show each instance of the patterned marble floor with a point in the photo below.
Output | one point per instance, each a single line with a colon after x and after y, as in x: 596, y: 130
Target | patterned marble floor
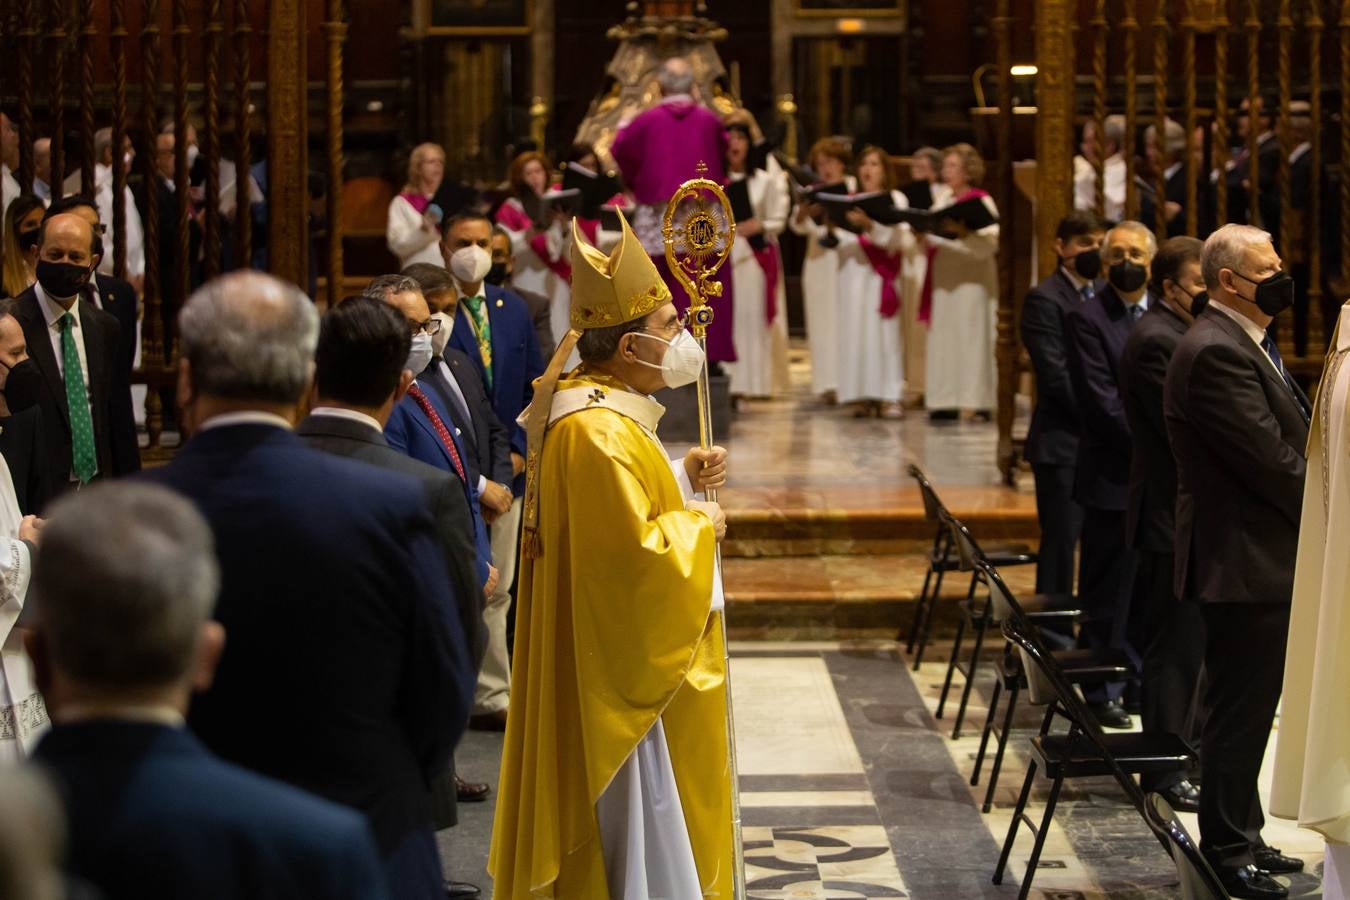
x: 851, y: 789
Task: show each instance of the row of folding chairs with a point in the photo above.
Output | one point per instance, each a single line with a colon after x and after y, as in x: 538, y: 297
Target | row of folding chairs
x: 1050, y: 679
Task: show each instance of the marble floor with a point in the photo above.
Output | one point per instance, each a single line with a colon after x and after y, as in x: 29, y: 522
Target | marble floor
x: 853, y: 790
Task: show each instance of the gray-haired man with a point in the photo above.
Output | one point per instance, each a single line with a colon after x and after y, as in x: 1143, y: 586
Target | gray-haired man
x: 347, y: 672
x: 123, y: 637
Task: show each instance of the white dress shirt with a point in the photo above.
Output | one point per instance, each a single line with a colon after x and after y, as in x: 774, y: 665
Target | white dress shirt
x: 464, y: 404
x: 351, y: 415
x: 1252, y: 330
x: 245, y: 417
x: 53, y: 312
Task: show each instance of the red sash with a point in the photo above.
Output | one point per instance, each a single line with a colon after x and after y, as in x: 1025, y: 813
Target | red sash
x: 887, y: 265
x: 416, y: 201
x: 768, y: 261
x: 926, y: 295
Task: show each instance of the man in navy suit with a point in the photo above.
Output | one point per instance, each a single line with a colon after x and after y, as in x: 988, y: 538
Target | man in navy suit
x: 421, y: 426
x: 493, y: 328
x: 118, y: 650
x: 1052, y: 439
x: 1097, y: 333
x: 346, y: 672
x: 1170, y: 631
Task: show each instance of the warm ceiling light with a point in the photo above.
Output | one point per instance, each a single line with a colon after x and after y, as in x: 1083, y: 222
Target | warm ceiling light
x: 1022, y: 71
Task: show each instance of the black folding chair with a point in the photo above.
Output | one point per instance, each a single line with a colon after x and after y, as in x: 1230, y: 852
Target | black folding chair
x: 941, y: 560
x: 1198, y: 881
x: 977, y: 612
x: 1081, y: 667
x: 1084, y: 752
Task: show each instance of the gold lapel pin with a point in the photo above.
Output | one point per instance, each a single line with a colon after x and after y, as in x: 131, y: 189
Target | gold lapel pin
x: 500, y: 304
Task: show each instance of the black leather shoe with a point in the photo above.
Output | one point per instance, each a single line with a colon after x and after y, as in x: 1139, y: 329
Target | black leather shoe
x: 1111, y: 715
x: 1250, y: 883
x: 470, y: 791
x: 461, y: 890
x: 1184, y: 796
x: 1272, y: 860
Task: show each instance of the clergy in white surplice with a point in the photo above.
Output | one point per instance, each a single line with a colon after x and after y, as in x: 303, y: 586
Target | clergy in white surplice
x: 23, y: 716
x: 1312, y: 748
x: 760, y: 329
x: 871, y: 362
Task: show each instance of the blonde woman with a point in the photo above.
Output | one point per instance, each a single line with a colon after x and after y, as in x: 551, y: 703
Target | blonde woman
x: 22, y: 220
x: 959, y: 301
x: 414, y: 232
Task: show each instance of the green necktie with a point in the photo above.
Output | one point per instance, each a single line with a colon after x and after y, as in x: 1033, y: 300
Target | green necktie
x: 478, y: 309
x: 81, y: 424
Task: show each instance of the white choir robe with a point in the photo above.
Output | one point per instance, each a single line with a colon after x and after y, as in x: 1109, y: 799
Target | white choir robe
x: 1311, y: 784
x: 1113, y: 185
x: 913, y: 333
x: 406, y: 237
x: 643, y: 835
x: 871, y: 362
x: 760, y: 345
x: 530, y: 272
x: 23, y: 716
x: 820, y: 281
x: 960, y: 372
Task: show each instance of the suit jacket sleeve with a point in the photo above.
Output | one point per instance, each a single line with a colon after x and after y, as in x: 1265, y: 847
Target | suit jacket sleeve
x: 1043, y: 335
x: 454, y: 524
x: 396, y: 432
x: 1145, y: 382
x: 1229, y: 411
x: 126, y: 453
x: 438, y: 684
x: 534, y: 367
x: 1094, y: 384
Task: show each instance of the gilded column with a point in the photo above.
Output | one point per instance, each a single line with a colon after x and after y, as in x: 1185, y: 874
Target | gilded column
x: 1054, y: 134
x: 287, y: 166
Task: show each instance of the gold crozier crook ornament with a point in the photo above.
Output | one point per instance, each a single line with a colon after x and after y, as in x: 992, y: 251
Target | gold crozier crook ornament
x: 699, y: 229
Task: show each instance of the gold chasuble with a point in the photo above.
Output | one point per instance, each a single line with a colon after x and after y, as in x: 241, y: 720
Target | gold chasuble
x: 613, y: 627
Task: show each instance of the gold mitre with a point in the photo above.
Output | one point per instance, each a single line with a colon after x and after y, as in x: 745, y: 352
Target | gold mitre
x: 613, y: 289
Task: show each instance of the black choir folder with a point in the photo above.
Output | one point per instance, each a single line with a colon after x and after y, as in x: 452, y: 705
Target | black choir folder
x: 972, y: 213
x: 540, y: 207
x: 594, y: 189
x: 738, y: 193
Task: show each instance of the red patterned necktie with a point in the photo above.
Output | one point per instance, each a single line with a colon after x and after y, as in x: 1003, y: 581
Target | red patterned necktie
x: 421, y: 400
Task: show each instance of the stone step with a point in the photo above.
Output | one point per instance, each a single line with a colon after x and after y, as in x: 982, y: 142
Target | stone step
x: 835, y: 597
x: 850, y: 520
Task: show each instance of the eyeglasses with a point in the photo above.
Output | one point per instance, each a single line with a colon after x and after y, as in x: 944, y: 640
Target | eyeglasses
x: 678, y: 325
x: 429, y: 327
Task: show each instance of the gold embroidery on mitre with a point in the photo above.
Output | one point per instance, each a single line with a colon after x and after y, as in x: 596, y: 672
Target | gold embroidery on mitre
x: 610, y: 290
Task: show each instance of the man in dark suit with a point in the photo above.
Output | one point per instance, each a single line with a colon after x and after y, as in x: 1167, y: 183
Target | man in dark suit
x: 107, y: 292
x: 455, y: 380
x: 1052, y: 439
x: 421, y: 426
x: 503, y: 267
x: 97, y: 437
x: 1169, y: 630
x: 493, y: 328
x: 22, y: 441
x: 164, y: 192
x: 334, y: 587
x: 1238, y: 425
x: 360, y: 374
x: 1097, y: 333
x: 1297, y: 244
x: 1238, y: 175
x: 118, y: 652
x: 1170, y: 157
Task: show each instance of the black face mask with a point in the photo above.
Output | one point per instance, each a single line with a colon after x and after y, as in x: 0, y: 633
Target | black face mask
x: 1127, y: 277
x: 22, y: 385
x: 60, y: 279
x: 1274, y: 294
x: 27, y: 239
x: 1199, y: 300
x: 1088, y: 264
x: 497, y: 275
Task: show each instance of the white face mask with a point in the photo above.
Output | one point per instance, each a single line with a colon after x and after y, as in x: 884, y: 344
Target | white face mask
x: 682, y: 361
x: 470, y: 264
x: 441, y: 337
x: 419, y: 354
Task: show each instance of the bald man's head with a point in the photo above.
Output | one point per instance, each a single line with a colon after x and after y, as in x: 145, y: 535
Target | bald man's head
x: 65, y: 256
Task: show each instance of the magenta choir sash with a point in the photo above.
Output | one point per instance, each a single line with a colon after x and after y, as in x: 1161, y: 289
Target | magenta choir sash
x: 926, y: 295
x: 887, y: 265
